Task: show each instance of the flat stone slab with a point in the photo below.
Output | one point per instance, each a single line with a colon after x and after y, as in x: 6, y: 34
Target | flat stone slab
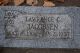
x: 40, y: 27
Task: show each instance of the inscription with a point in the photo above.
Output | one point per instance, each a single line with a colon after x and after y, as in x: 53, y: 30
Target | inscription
x: 32, y: 26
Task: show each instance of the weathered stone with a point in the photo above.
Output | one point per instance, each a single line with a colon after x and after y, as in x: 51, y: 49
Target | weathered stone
x: 21, y: 16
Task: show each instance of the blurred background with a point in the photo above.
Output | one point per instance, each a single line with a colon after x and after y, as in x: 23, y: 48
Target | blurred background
x: 39, y: 2
x: 38, y: 50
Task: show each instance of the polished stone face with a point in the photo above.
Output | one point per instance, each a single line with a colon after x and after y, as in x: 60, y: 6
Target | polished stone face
x: 40, y: 27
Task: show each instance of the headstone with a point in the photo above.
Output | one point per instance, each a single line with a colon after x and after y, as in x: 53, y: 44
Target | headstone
x: 40, y: 27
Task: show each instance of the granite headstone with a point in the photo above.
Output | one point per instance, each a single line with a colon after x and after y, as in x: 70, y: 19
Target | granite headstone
x: 40, y: 27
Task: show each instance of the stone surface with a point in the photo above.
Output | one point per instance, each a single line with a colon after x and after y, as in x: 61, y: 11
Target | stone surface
x: 33, y: 26
x: 73, y: 19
